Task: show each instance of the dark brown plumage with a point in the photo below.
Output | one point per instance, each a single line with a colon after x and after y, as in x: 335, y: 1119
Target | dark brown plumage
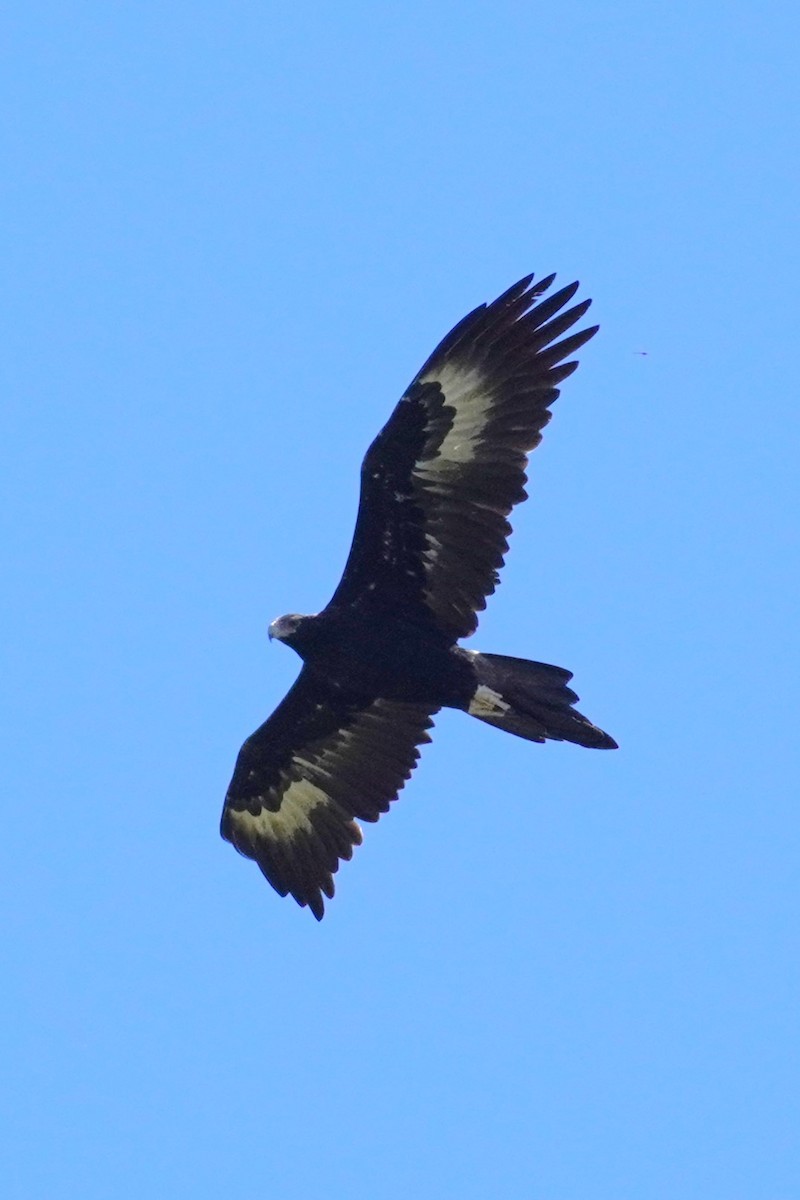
x: 437, y: 487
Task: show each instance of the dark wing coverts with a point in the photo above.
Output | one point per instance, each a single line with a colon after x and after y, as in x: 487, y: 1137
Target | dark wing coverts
x: 300, y: 780
x: 439, y: 481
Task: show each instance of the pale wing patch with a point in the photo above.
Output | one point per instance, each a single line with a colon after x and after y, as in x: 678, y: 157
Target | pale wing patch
x: 297, y: 804
x: 465, y: 391
x: 487, y: 703
x: 471, y: 402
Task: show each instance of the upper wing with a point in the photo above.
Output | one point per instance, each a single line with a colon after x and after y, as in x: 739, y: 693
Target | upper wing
x: 318, y: 762
x: 441, y: 478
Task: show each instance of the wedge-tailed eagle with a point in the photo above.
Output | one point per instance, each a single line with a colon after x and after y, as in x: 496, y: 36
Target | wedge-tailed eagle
x: 437, y: 487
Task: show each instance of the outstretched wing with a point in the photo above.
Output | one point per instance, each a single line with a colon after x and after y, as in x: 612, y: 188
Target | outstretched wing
x: 439, y: 481
x: 300, y: 781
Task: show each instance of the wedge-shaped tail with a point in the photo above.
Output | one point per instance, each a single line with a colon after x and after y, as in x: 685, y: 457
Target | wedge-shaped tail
x: 532, y: 700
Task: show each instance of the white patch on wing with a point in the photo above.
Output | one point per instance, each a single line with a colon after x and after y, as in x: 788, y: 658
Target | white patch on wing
x: 298, y: 802
x: 487, y: 703
x: 465, y: 391
x: 432, y: 549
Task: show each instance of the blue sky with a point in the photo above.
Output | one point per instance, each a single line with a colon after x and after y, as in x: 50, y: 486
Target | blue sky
x: 233, y: 233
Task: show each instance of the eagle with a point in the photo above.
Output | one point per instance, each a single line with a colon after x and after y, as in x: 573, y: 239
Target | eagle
x: 437, y: 487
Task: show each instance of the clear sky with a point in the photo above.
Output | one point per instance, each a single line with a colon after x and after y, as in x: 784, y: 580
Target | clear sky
x: 233, y: 232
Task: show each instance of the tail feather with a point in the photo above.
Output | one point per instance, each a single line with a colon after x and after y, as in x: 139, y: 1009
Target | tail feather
x: 532, y: 701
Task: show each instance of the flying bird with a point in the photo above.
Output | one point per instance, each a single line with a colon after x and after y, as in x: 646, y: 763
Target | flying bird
x: 437, y: 487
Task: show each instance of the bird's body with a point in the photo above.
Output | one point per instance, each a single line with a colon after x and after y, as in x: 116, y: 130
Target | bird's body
x: 394, y: 658
x: 437, y: 486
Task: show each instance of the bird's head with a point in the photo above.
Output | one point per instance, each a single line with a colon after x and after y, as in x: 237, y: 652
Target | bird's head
x: 283, y: 629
